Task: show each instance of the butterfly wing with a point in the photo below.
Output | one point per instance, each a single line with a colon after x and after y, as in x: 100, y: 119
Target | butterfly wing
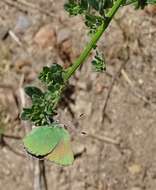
x: 42, y: 140
x: 62, y: 154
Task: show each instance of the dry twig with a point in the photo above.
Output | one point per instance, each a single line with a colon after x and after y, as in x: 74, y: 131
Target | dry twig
x: 23, y: 6
x: 12, y: 150
x: 12, y: 137
x: 134, y: 90
x: 40, y: 181
x: 104, y: 139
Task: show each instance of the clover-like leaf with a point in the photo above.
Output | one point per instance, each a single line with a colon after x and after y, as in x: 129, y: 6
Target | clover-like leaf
x: 93, y: 22
x: 33, y: 91
x: 44, y: 103
x: 98, y: 63
x: 139, y: 3
x: 73, y: 8
x: 151, y: 1
x: 92, y: 10
x: 52, y: 75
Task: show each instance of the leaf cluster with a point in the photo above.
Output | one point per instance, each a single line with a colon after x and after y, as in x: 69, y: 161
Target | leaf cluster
x: 98, y: 63
x: 139, y: 3
x: 99, y: 7
x: 44, y: 103
x: 92, y: 10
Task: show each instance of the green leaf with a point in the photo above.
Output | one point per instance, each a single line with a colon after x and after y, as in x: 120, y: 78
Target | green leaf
x: 100, y: 5
x: 93, y: 11
x: 139, y: 3
x: 33, y: 91
x: 42, y: 109
x: 52, y: 75
x: 98, y: 63
x: 44, y: 103
x: 26, y: 113
x: 93, y: 22
x: 73, y: 8
x: 43, y: 140
x: 151, y: 1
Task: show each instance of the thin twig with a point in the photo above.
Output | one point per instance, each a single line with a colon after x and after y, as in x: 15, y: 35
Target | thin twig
x: 110, y: 91
x: 33, y: 6
x: 14, y: 4
x: 103, y: 118
x: 126, y: 77
x: 43, y: 171
x: 134, y: 90
x: 22, y: 5
x: 125, y: 37
x: 12, y: 150
x: 12, y: 137
x: 15, y: 38
x: 104, y: 139
x: 108, y: 97
x: 6, y: 86
x: 40, y: 181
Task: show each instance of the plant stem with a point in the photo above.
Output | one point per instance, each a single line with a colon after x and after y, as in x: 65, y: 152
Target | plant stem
x: 87, y: 50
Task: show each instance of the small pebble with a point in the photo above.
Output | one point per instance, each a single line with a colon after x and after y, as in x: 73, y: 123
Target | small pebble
x: 99, y: 88
x: 22, y: 24
x: 151, y: 9
x: 31, y: 76
x: 134, y: 169
x: 135, y: 188
x: 46, y: 36
x: 63, y: 35
x: 21, y: 63
x: 140, y: 81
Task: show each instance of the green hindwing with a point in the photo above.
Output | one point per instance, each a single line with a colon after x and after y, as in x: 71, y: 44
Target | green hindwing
x: 62, y: 154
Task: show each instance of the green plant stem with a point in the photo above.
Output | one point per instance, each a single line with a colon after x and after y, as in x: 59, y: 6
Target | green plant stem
x: 86, y: 52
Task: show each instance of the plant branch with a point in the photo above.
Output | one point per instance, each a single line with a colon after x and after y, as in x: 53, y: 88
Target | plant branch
x: 87, y: 50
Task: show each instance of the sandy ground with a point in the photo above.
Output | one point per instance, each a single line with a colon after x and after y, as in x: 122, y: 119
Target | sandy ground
x: 116, y: 154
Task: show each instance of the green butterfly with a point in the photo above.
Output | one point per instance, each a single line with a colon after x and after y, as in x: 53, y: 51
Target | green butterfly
x: 51, y: 142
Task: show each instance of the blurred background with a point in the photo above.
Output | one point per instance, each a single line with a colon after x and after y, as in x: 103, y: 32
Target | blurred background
x: 115, y: 110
